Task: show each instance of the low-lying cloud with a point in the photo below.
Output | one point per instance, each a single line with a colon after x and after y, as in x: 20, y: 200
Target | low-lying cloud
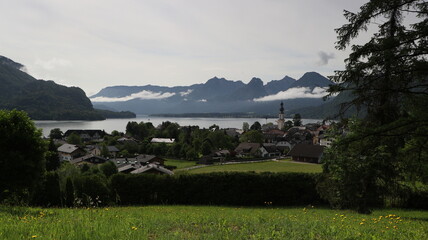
x: 292, y: 93
x: 186, y: 92
x: 147, y: 95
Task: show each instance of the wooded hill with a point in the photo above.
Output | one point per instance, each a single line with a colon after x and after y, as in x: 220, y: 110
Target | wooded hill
x: 43, y: 100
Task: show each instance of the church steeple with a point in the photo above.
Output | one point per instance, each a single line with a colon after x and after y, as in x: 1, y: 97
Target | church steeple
x: 281, y: 120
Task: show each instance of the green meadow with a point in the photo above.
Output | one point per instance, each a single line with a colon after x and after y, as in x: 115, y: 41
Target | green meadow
x: 271, y: 166
x: 180, y: 164
x: 209, y: 222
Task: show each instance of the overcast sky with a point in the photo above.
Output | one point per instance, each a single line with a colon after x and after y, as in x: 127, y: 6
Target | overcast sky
x: 97, y: 43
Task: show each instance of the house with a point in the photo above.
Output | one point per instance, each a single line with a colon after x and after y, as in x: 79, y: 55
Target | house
x: 273, y: 136
x: 233, y: 132
x: 130, y: 140
x: 86, y: 135
x: 97, y: 150
x: 163, y: 140
x: 296, y: 135
x: 272, y: 150
x: 250, y: 150
x: 127, y: 168
x: 88, y: 159
x: 284, y: 147
x: 324, y: 140
x: 307, y: 153
x: 68, y: 152
x: 112, y: 150
x: 152, y: 168
x: 320, y: 133
x: 93, y: 149
x: 142, y: 159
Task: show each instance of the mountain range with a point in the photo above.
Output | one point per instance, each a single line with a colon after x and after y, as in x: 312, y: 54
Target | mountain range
x: 44, y: 100
x: 217, y: 95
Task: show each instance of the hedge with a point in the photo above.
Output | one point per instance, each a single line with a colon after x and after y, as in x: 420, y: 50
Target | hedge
x: 243, y: 189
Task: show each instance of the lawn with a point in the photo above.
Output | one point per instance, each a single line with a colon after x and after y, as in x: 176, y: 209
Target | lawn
x: 203, y: 222
x: 179, y: 163
x: 280, y: 166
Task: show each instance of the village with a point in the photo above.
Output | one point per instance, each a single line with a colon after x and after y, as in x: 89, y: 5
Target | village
x: 144, y: 151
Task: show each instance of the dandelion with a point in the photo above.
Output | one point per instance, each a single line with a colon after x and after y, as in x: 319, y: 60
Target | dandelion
x: 361, y: 223
x: 134, y: 228
x: 34, y: 236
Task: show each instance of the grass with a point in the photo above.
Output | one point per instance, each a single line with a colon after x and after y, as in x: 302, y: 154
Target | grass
x: 179, y: 163
x: 280, y: 166
x: 203, y: 222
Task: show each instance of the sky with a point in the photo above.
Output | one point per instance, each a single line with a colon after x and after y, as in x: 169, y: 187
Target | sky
x: 93, y: 44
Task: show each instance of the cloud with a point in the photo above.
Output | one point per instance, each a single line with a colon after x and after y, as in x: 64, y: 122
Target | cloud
x: 202, y: 100
x: 324, y: 58
x: 186, y: 92
x: 52, y: 63
x: 107, y: 43
x: 140, y: 95
x: 292, y: 93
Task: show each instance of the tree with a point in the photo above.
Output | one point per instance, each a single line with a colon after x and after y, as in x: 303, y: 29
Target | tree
x: 22, y: 149
x: 69, y: 193
x: 252, y: 136
x: 387, y: 77
x: 104, y: 151
x: 191, y: 154
x: 108, y: 168
x: 245, y: 126
x: 48, y: 193
x: 214, y: 127
x: 297, y: 120
x: 287, y: 125
x: 74, y: 138
x: 206, y: 148
x: 52, y: 157
x: 56, y: 133
x: 256, y: 126
x: 116, y: 133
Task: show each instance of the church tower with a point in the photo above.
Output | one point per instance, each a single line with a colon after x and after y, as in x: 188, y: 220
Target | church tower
x: 281, y: 119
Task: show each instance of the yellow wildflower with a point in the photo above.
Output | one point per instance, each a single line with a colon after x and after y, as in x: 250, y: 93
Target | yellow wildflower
x: 34, y: 236
x: 134, y: 228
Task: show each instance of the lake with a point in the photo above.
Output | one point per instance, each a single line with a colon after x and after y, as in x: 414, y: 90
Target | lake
x: 120, y: 124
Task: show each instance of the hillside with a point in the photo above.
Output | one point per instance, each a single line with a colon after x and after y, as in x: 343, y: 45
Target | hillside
x: 330, y: 109
x: 42, y: 100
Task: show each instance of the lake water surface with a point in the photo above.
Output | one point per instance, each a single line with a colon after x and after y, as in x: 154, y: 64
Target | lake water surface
x: 120, y: 124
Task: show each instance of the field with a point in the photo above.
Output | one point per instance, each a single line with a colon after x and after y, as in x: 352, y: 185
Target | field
x: 202, y: 222
x: 179, y: 163
x: 272, y: 166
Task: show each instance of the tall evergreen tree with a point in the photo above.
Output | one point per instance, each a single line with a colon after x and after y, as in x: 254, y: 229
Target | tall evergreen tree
x: 52, y: 157
x: 388, y: 76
